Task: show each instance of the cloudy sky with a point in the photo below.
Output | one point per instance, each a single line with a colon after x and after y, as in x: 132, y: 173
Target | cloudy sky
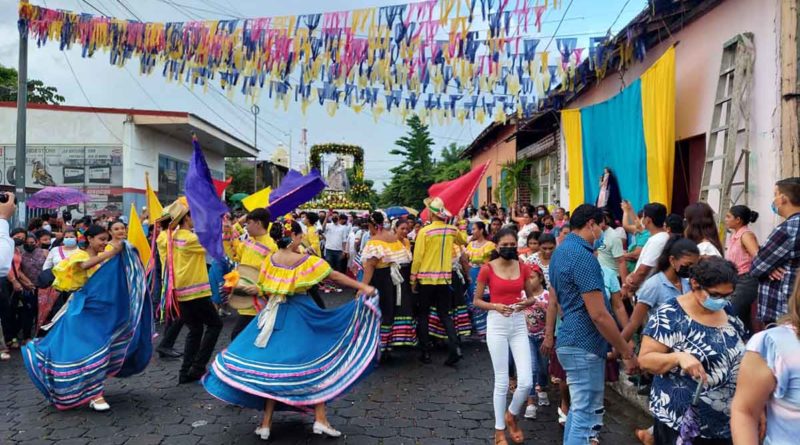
x: 108, y: 86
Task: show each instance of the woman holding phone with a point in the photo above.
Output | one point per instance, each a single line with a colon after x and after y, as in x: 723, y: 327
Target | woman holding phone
x: 506, y: 330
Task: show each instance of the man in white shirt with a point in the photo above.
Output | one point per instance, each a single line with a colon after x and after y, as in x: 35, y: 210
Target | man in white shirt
x: 7, y: 209
x: 609, y: 251
x: 335, y: 241
x: 655, y: 214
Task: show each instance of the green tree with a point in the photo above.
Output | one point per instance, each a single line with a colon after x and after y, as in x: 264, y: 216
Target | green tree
x: 450, y: 166
x: 513, y: 176
x: 38, y: 92
x: 242, y: 175
x: 411, y: 179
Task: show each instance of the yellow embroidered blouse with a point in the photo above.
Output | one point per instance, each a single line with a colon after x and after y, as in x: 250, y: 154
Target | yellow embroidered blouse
x: 275, y: 279
x: 252, y: 252
x: 69, y: 274
x: 386, y: 253
x: 478, y: 255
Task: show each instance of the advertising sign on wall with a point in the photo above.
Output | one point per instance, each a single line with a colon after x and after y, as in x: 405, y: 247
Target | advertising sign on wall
x: 95, y: 170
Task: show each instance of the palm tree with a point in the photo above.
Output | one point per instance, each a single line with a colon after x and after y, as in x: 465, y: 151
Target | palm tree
x: 513, y: 176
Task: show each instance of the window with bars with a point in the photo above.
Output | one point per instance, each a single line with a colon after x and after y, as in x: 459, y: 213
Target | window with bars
x: 544, y: 175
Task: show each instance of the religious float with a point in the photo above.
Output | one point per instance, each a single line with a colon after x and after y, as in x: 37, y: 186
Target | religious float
x: 343, y: 193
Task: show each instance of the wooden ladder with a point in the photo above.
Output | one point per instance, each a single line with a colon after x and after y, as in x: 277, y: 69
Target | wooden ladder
x: 728, y: 146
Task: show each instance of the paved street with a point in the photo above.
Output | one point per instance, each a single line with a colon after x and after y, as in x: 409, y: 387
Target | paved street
x: 404, y: 402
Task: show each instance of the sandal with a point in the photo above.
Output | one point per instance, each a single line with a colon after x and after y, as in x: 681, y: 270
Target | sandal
x: 645, y: 436
x: 513, y: 429
x: 500, y: 438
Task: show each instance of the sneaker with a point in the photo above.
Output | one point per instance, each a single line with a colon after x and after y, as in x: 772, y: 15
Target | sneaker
x: 544, y: 399
x: 562, y: 417
x: 530, y: 412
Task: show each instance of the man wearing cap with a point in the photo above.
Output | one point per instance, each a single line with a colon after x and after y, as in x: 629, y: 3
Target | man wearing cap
x: 431, y: 276
x: 186, y: 259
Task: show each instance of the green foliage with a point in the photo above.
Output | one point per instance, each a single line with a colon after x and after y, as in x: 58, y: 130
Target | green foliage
x: 411, y: 179
x: 242, y: 175
x: 38, y: 92
x: 515, y: 174
x: 451, y: 166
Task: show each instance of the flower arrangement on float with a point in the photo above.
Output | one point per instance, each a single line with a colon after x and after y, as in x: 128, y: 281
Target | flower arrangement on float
x: 357, y: 198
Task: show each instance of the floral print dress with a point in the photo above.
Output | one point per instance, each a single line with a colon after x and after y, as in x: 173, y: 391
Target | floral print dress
x: 719, y: 349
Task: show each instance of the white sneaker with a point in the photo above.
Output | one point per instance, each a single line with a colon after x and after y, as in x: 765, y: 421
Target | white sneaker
x: 530, y: 412
x: 99, y: 406
x: 321, y: 429
x: 263, y: 433
x: 544, y: 400
x: 562, y: 418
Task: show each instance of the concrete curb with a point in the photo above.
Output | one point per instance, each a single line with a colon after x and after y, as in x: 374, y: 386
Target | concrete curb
x: 627, y: 390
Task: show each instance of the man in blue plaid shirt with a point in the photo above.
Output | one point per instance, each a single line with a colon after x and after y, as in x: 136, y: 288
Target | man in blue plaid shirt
x: 777, y: 263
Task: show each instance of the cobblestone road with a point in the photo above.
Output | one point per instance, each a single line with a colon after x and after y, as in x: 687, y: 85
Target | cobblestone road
x: 404, y: 402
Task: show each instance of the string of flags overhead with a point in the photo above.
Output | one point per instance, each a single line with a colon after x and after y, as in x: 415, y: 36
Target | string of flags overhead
x: 427, y: 58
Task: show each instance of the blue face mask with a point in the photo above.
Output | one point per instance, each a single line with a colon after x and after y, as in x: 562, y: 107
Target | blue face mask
x: 715, y: 304
x: 70, y: 242
x: 774, y: 208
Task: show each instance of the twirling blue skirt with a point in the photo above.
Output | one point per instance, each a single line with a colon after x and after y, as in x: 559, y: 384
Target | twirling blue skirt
x: 107, y: 330
x: 313, y: 355
x: 478, y: 315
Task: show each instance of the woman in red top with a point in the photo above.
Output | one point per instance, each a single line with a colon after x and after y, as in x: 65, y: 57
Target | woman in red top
x: 506, y: 329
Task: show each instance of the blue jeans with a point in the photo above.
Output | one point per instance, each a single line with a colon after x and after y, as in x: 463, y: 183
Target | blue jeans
x: 586, y: 380
x: 334, y: 258
x: 539, y: 363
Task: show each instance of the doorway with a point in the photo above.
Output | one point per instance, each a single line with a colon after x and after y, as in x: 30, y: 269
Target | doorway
x: 690, y: 156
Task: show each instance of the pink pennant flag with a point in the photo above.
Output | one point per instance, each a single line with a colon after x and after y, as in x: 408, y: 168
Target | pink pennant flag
x: 578, y: 52
x: 539, y: 10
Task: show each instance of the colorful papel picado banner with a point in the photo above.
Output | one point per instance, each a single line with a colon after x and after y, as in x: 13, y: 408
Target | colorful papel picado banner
x: 444, y: 60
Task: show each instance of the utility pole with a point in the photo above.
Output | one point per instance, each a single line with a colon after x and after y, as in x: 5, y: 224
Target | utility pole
x: 22, y: 124
x: 255, y: 110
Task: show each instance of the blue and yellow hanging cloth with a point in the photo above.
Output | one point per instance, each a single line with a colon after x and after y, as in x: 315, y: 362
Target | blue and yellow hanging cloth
x: 632, y: 133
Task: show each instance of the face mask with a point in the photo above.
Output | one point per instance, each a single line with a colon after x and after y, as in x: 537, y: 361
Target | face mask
x: 70, y: 242
x: 714, y: 304
x: 774, y: 208
x: 47, y: 227
x: 540, y: 213
x: 18, y: 242
x: 683, y: 271
x: 29, y: 248
x: 508, y: 253
x: 548, y: 226
x: 83, y: 244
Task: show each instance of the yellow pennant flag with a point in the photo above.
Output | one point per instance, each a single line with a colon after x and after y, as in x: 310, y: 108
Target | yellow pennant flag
x: 259, y: 199
x: 153, y: 205
x: 137, y: 237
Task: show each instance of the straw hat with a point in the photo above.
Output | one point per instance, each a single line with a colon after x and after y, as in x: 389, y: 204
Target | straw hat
x: 175, y: 211
x: 436, y: 207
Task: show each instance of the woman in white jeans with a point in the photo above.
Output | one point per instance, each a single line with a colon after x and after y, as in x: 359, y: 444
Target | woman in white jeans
x: 506, y: 329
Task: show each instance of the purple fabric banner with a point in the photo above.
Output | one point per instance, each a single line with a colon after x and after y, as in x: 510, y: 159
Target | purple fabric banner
x: 205, y: 206
x: 294, y: 191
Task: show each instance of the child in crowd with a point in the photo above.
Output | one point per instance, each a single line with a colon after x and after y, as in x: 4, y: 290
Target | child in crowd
x: 535, y: 318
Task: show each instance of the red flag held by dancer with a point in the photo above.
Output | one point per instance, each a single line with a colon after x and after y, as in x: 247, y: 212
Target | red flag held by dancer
x: 456, y: 193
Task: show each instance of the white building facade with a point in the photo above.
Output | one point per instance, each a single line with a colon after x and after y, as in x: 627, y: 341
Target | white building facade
x: 106, y: 152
